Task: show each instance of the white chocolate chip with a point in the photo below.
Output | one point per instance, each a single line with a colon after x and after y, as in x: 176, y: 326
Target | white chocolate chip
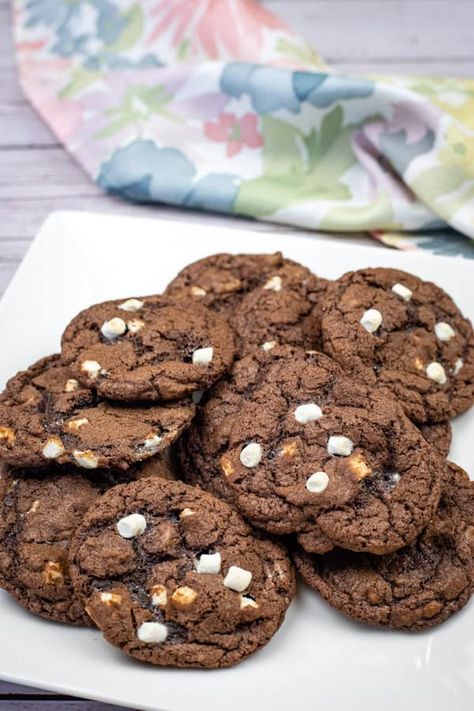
x: 197, y: 396
x: 152, y: 632
x: 308, y: 412
x: 268, y: 345
x: 251, y: 455
x: 92, y: 368
x: 203, y: 356
x: 8, y: 435
x: 436, y: 372
x: 185, y: 513
x: 113, y: 328
x: 131, y: 305
x: 274, y: 284
x: 151, y: 443
x: 340, y: 445
x: 71, y: 386
x: 110, y: 598
x: 198, y: 291
x: 53, y: 448
x: 159, y: 596
x: 34, y: 507
x: 75, y: 425
x: 371, y: 320
x: 444, y: 332
x: 317, y: 482
x: 402, y: 291
x: 86, y: 460
x: 395, y: 477
x: 246, y: 601
x: 209, y: 563
x: 458, y: 365
x: 237, y: 579
x: 135, y: 325
x: 131, y: 525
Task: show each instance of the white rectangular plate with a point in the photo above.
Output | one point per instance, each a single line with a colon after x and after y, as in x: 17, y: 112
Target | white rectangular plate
x: 319, y: 660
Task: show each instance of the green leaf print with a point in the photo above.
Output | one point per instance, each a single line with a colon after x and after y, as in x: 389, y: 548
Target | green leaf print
x: 138, y: 104
x: 299, y: 167
x: 132, y: 32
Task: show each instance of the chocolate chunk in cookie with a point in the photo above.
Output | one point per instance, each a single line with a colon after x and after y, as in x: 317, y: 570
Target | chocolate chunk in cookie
x: 417, y: 587
x: 47, y: 416
x: 204, y: 442
x: 285, y: 309
x: 439, y: 435
x: 314, y: 452
x: 39, y: 512
x: 174, y: 576
x: 390, y: 328
x: 149, y: 348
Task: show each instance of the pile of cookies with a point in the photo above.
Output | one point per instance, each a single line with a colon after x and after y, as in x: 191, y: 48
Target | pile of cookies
x: 158, y: 476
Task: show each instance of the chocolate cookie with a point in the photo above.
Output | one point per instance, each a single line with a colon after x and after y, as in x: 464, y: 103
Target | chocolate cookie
x: 149, y: 348
x: 392, y: 329
x: 314, y: 451
x: 203, y: 443
x: 439, y: 435
x: 173, y: 576
x: 222, y: 280
x: 417, y: 587
x: 46, y: 416
x: 286, y: 308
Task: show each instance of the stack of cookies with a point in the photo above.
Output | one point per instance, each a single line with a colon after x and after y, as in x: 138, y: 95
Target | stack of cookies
x: 157, y: 476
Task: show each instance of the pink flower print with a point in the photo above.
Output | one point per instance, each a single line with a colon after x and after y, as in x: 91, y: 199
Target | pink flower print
x: 235, y: 132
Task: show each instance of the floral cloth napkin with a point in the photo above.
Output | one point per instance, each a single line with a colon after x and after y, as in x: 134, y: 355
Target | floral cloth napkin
x: 218, y: 105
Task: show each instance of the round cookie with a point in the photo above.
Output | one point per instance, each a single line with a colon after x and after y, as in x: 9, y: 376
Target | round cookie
x: 439, y: 435
x: 315, y: 452
x: 286, y: 308
x: 414, y: 588
x: 149, y: 348
x: 222, y: 280
x: 202, y: 444
x: 175, y: 577
x: 39, y: 512
x: 46, y: 416
x: 392, y: 329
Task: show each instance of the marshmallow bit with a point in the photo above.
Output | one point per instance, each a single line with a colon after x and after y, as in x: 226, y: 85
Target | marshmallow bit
x: 86, y: 460
x: 135, y: 325
x: 71, y: 386
x: 274, y: 284
x: 268, y: 345
x: 203, y: 356
x: 92, y: 368
x: 113, y: 328
x: 198, y: 291
x: 152, y: 632
x: 444, y: 332
x: 151, y: 443
x: 436, y: 372
x: 246, y: 601
x: 317, y: 482
x: 371, y: 320
x: 131, y: 305
x: 237, y: 578
x: 308, y: 413
x: 209, y: 563
x: 403, y: 291
x: 8, y: 435
x: 53, y: 448
x: 340, y: 445
x: 183, y: 597
x: 458, y: 365
x: 251, y: 455
x: 75, y: 425
x: 185, y: 513
x: 159, y: 596
x: 110, y: 598
x: 132, y: 525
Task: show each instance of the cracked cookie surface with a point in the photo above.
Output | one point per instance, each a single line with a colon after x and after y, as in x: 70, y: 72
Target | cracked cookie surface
x: 39, y: 512
x: 392, y: 329
x: 46, y: 416
x: 415, y: 588
x: 439, y: 435
x: 323, y: 456
x: 173, y: 576
x: 147, y: 348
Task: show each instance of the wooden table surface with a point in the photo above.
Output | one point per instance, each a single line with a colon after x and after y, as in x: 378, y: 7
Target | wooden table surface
x: 37, y: 176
